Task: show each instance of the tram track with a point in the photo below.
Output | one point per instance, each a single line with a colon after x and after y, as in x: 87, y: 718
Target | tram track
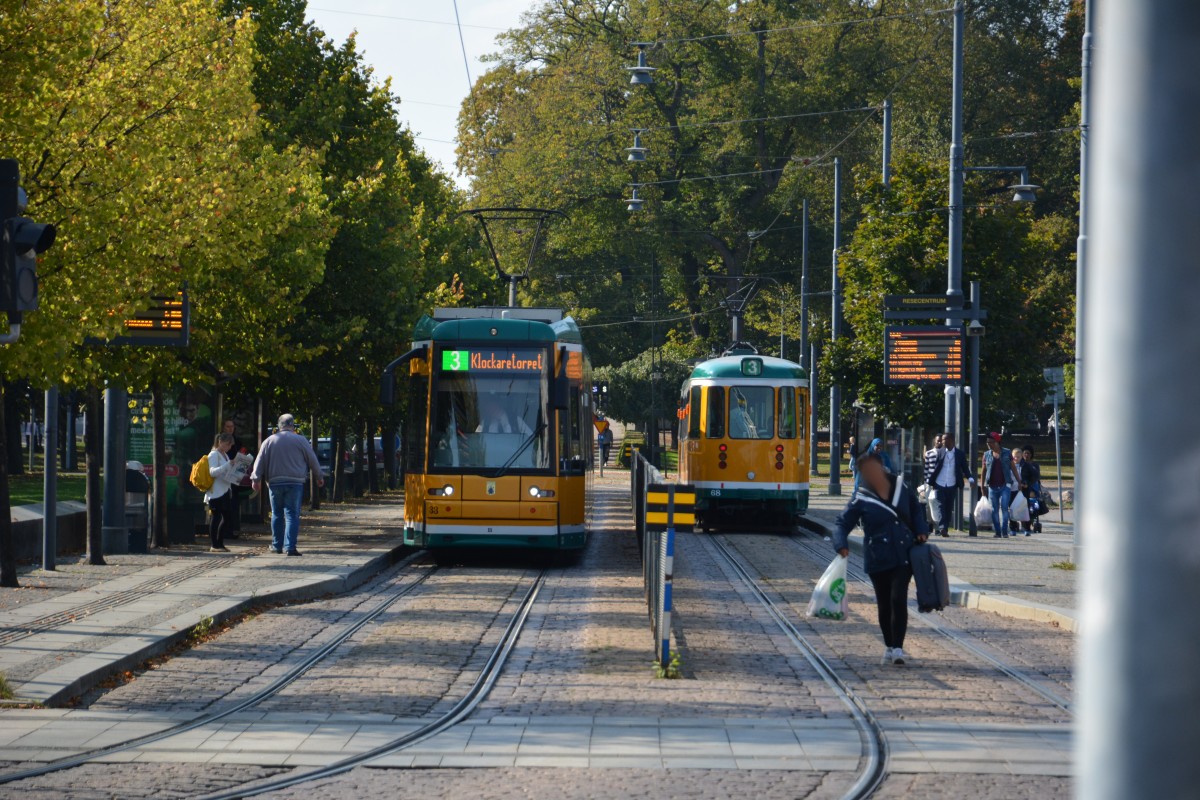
x: 461, y: 709
x: 310, y: 661
x: 960, y: 638
x: 874, y: 740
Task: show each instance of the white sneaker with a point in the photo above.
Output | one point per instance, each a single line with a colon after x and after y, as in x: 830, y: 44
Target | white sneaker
x: 888, y: 655
x: 899, y: 657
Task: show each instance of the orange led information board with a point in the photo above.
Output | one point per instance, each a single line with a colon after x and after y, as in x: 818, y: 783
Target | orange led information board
x: 923, y: 355
x: 164, y: 323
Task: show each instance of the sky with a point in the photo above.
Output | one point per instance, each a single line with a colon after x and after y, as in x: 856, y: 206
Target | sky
x: 416, y: 43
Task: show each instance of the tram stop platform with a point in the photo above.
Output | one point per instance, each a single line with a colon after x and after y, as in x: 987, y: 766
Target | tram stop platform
x: 63, y: 632
x: 1021, y: 577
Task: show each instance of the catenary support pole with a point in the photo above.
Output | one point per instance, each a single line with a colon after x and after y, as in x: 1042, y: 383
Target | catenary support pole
x: 804, y: 362
x: 1139, y: 699
x: 835, y: 390
x: 1085, y: 127
x: 887, y: 143
x: 976, y: 399
x: 813, y: 397
x: 954, y: 266
x: 113, y: 532
x: 50, y: 483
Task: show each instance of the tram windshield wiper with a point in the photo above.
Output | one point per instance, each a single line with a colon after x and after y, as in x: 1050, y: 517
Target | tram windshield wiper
x: 541, y: 426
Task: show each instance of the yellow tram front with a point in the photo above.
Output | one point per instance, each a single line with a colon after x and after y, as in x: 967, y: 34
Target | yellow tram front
x: 743, y: 441
x: 498, y: 437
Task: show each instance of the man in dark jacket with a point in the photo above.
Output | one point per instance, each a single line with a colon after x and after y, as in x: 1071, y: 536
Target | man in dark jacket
x: 946, y: 476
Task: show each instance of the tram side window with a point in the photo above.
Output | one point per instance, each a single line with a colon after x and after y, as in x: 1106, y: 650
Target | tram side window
x: 787, y: 412
x: 415, y: 429
x: 716, y: 413
x: 693, y: 408
x: 802, y: 411
x: 751, y: 412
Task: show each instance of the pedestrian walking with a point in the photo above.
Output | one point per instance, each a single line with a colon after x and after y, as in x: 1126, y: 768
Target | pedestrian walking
x: 284, y: 462
x: 999, y: 478
x: 946, y: 476
x: 931, y: 457
x: 235, y: 489
x: 223, y: 472
x: 892, y: 521
x: 1029, y: 473
x: 876, y: 447
x: 605, y: 440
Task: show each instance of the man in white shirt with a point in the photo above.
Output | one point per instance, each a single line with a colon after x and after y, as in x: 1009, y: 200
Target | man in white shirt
x: 947, y: 476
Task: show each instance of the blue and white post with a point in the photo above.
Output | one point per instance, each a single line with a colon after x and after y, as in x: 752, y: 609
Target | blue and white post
x: 665, y: 572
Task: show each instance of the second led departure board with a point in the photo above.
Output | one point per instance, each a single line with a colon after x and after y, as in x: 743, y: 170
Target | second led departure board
x: 923, y: 355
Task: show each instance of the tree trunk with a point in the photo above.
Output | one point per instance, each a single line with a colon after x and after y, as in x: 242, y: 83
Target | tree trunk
x: 372, y: 475
x: 314, y: 492
x: 388, y: 437
x: 161, y: 534
x: 93, y: 445
x: 337, y: 455
x: 359, y: 483
x: 8, y: 560
x: 12, y: 429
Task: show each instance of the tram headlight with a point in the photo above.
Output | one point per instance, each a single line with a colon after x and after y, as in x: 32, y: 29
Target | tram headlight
x: 444, y: 491
x: 535, y: 492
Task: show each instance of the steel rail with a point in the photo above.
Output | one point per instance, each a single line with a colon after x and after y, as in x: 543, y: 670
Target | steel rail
x: 1008, y: 670
x: 265, y: 693
x: 874, y: 740
x: 457, y: 713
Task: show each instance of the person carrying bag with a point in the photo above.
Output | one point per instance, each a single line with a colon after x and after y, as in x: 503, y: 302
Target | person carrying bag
x: 893, y: 521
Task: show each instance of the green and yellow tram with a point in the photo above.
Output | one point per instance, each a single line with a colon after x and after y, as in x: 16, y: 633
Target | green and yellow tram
x: 498, y: 433
x: 742, y: 438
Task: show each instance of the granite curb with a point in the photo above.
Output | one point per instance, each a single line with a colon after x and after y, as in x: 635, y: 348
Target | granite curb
x: 79, y: 675
x: 967, y: 595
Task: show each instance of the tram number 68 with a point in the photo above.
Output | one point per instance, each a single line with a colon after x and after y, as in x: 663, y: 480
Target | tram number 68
x: 716, y: 493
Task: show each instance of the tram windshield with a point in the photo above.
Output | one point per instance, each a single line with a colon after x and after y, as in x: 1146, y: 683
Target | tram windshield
x: 751, y: 412
x: 488, y: 418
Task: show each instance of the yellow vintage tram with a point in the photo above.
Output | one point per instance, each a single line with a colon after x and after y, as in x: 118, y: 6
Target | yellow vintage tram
x: 498, y: 435
x: 742, y: 438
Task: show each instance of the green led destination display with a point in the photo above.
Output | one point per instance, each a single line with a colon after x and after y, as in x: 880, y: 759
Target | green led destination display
x: 491, y: 359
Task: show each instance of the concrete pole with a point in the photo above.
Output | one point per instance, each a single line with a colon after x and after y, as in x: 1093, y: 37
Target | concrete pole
x: 887, y: 143
x: 50, y: 483
x: 70, y: 461
x: 835, y: 391
x: 954, y: 295
x: 1138, y: 661
x: 114, y: 534
x: 804, y: 354
x: 976, y: 397
x: 1085, y: 127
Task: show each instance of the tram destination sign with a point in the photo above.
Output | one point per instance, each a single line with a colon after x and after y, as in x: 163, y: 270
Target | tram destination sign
x: 923, y: 355
x: 492, y: 359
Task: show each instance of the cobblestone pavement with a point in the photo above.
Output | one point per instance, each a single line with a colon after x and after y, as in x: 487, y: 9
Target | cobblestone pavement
x: 951, y: 685
x: 163, y: 782
x: 1020, y: 567
x: 580, y: 671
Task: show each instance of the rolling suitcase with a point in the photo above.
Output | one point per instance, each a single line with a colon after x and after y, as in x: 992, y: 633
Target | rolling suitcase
x: 933, y: 581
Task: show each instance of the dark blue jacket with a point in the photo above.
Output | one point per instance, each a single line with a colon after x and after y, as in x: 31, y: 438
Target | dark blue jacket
x: 886, y: 539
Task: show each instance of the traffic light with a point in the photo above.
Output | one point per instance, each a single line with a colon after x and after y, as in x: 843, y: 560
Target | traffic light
x: 22, y: 240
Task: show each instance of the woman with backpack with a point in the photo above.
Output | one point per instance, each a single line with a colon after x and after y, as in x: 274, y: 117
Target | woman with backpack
x: 892, y: 520
x: 223, y: 471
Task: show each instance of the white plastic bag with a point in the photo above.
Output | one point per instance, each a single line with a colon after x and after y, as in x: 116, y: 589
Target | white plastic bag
x: 829, y: 599
x: 1019, y: 510
x: 983, y: 512
x: 923, y: 492
x: 935, y: 506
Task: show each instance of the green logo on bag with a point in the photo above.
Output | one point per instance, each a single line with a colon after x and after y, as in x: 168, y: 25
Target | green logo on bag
x: 827, y: 614
x: 837, y: 591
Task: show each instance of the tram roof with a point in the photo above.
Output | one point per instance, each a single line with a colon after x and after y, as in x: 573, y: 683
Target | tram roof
x: 731, y: 367
x: 491, y: 328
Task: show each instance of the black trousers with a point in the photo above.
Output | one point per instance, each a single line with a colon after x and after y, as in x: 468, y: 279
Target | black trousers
x: 946, y: 497
x: 235, y: 510
x: 891, y: 595
x: 221, y: 519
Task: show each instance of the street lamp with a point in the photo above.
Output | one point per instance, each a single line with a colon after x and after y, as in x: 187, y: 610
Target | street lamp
x: 1023, y: 192
x: 641, y: 73
x: 637, y: 152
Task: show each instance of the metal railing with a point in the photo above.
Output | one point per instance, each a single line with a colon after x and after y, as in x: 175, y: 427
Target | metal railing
x: 658, y: 553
